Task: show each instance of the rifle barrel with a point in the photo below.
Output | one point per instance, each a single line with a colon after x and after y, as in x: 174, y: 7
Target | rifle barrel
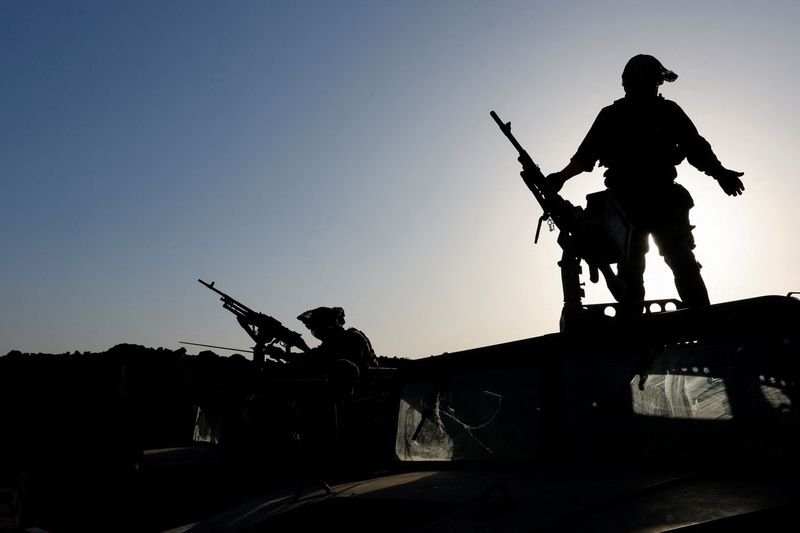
x: 229, y: 302
x: 211, y: 286
x: 505, y: 127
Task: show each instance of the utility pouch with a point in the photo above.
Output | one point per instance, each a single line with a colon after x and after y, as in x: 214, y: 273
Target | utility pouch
x: 607, y: 230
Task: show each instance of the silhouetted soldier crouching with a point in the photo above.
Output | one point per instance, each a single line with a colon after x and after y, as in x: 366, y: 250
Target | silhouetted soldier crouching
x: 640, y: 139
x: 341, y: 360
x: 344, y: 354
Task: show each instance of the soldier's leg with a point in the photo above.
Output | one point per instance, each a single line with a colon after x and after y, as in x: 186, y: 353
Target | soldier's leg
x: 676, y: 245
x: 688, y: 280
x: 631, y: 273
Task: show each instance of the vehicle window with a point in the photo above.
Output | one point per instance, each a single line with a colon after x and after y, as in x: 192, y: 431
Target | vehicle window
x: 470, y: 416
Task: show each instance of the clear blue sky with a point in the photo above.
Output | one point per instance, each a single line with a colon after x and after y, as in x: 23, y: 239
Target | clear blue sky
x: 341, y: 153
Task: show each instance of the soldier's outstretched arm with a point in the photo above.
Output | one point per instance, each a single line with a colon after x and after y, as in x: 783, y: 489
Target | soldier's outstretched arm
x: 701, y: 156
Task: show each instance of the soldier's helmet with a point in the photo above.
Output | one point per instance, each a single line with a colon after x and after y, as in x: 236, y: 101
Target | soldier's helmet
x: 322, y: 317
x: 643, y: 73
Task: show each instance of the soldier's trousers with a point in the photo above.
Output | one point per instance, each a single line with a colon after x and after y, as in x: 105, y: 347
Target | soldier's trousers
x: 676, y: 245
x: 663, y: 214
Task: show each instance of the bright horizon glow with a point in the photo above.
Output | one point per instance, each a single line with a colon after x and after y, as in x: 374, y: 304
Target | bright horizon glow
x: 342, y: 154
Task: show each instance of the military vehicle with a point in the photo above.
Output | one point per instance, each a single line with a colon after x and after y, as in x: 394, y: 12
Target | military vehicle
x: 680, y: 419
x: 674, y: 419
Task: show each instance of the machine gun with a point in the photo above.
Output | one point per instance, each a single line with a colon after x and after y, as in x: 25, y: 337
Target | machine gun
x: 599, y: 235
x: 263, y: 329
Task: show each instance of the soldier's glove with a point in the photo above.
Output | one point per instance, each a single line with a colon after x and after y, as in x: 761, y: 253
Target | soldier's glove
x: 556, y: 181
x: 729, y: 181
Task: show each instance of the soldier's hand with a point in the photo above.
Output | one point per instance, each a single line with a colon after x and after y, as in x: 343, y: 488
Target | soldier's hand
x: 275, y: 352
x: 730, y: 181
x: 556, y: 181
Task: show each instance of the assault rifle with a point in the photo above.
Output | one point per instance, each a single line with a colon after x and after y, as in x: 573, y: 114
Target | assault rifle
x: 599, y: 235
x: 263, y: 329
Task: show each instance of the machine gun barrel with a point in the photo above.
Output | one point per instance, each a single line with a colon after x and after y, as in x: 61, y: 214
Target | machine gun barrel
x: 228, y: 302
x: 563, y: 214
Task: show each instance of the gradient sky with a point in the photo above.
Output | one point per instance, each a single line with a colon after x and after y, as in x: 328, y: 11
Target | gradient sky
x: 341, y: 153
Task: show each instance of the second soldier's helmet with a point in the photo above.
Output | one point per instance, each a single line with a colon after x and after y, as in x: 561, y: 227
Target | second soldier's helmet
x: 643, y: 73
x: 322, y: 316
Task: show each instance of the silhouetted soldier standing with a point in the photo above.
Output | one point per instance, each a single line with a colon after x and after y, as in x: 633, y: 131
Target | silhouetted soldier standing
x: 640, y: 139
